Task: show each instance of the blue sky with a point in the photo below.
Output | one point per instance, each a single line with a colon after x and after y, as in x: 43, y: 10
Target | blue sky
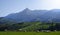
x: 13, y: 6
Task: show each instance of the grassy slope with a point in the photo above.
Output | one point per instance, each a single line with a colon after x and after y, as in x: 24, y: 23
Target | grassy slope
x: 29, y: 33
x: 34, y: 26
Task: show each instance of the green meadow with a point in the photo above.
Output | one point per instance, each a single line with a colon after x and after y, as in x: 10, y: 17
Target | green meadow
x: 29, y: 33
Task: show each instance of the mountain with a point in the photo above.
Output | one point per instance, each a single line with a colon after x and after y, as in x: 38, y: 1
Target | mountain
x: 28, y: 15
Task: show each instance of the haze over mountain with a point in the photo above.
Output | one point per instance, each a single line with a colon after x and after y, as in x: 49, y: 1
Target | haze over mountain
x: 28, y: 15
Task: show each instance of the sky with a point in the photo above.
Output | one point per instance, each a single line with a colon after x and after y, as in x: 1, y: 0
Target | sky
x: 13, y: 6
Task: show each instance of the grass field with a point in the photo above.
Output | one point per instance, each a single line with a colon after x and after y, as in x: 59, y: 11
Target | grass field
x: 29, y: 33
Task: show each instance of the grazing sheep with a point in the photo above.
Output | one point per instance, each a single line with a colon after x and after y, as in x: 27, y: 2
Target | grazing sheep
x: 45, y: 30
x: 5, y: 29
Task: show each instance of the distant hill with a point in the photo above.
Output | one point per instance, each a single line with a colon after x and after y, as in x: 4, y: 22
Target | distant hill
x: 6, y: 21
